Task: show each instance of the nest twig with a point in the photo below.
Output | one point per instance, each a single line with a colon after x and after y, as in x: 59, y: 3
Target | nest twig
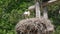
x: 34, y: 26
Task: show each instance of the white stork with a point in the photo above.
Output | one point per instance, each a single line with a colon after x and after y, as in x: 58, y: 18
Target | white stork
x: 26, y: 14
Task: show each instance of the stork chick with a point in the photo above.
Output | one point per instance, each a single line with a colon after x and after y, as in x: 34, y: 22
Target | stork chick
x: 26, y: 14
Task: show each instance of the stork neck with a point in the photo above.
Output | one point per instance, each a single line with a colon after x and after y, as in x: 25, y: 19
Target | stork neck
x: 37, y: 8
x: 45, y: 15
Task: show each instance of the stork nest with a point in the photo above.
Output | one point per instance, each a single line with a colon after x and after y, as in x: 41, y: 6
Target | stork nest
x: 34, y: 26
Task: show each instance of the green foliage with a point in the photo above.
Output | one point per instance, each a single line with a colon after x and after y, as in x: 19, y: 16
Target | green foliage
x: 11, y: 12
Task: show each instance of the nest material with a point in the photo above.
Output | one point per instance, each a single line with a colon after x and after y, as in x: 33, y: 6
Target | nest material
x: 34, y: 26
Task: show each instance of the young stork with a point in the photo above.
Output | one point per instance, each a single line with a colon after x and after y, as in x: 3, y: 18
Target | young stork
x: 26, y: 14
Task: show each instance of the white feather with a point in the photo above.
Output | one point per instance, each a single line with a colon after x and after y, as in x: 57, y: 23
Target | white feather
x: 27, y: 13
